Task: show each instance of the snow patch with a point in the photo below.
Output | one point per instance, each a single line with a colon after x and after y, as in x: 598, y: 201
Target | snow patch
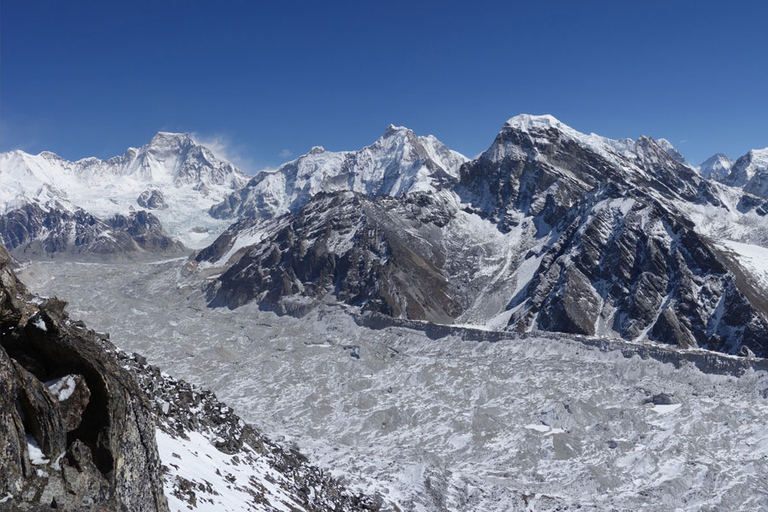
x: 62, y: 388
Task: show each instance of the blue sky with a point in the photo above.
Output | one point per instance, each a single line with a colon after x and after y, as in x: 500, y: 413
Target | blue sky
x: 265, y: 80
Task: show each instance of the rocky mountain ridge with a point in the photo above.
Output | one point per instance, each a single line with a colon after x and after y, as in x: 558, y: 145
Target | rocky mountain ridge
x: 34, y: 230
x: 597, y: 236
x: 77, y: 430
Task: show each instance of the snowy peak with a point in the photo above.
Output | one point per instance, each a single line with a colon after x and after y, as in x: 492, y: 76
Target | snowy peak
x: 398, y: 163
x: 716, y: 167
x: 748, y: 167
x: 168, y: 158
x: 528, y: 122
x: 393, y: 130
x: 175, y: 158
x: 541, y: 167
x: 536, y: 127
x: 187, y: 175
x: 670, y: 149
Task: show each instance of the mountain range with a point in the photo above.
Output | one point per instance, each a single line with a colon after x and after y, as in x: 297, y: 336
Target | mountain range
x: 549, y: 229
x: 550, y: 238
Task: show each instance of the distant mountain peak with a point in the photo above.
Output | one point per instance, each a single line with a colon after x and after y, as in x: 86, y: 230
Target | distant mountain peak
x: 528, y: 121
x: 393, y: 130
x: 316, y: 150
x: 397, y: 163
x: 749, y: 172
x: 717, y: 167
x: 670, y: 149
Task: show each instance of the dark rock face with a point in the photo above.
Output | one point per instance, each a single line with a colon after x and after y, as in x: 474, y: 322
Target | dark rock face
x: 543, y: 173
x: 145, y: 231
x: 620, y: 258
x: 152, y: 200
x: 87, y: 441
x: 633, y: 267
x: 31, y: 230
x: 372, y: 253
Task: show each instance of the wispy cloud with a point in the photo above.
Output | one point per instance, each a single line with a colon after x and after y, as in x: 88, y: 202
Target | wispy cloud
x: 223, y: 148
x: 286, y: 154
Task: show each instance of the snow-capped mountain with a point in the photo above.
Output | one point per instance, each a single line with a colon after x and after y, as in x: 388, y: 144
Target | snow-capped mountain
x: 398, y: 163
x: 549, y: 229
x: 172, y: 175
x: 669, y: 148
x: 751, y: 173
x: 716, y: 167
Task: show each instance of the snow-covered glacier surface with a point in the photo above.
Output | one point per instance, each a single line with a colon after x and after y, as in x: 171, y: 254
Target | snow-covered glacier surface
x: 445, y: 424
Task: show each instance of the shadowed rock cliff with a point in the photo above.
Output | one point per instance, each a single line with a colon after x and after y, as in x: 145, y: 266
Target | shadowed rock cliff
x: 76, y: 430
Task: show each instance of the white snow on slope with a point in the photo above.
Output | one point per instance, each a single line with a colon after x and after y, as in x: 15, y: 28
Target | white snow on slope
x: 716, y: 167
x: 749, y: 165
x: 221, y: 482
x: 754, y: 258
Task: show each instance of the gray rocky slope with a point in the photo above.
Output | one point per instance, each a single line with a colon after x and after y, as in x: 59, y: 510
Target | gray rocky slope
x: 34, y: 230
x: 549, y: 229
x: 80, y: 424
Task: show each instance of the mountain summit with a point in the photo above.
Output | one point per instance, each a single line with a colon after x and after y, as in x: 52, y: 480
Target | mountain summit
x: 716, y: 167
x: 397, y: 163
x: 172, y: 175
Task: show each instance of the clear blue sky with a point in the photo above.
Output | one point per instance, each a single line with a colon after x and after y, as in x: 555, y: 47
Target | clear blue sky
x: 90, y: 78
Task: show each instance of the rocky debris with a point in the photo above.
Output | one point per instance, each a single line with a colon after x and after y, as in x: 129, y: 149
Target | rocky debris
x: 77, y: 430
x: 183, y: 410
x: 53, y: 229
x: 152, y: 199
x: 382, y: 255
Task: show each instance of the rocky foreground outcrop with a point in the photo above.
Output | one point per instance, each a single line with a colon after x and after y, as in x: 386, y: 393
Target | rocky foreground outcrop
x: 87, y: 427
x: 76, y: 431
x: 248, y: 471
